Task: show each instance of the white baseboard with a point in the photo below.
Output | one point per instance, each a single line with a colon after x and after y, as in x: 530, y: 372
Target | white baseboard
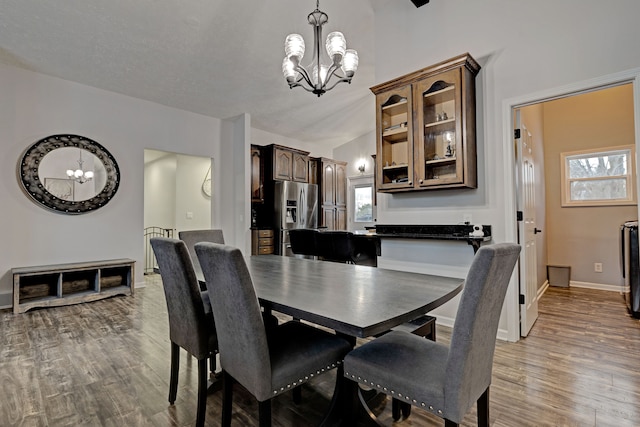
x: 543, y: 288
x: 502, y: 335
x: 444, y: 321
x: 598, y: 286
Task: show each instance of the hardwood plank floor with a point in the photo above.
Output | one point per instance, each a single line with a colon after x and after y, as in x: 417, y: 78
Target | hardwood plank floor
x: 106, y: 363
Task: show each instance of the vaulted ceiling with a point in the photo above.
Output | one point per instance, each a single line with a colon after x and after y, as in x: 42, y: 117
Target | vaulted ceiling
x: 220, y: 58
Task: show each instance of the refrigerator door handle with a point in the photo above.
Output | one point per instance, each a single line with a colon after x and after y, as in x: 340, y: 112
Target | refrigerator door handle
x: 302, y: 205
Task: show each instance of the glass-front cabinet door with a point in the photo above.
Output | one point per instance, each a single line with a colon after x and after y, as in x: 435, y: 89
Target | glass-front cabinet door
x: 426, y: 128
x: 441, y: 148
x: 395, y: 161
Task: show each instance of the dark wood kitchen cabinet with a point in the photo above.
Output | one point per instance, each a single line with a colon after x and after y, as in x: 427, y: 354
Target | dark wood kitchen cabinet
x: 287, y: 164
x: 426, y: 128
x: 331, y: 178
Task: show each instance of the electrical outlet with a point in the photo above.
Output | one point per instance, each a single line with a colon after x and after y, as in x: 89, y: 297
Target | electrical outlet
x: 467, y: 218
x: 597, y: 267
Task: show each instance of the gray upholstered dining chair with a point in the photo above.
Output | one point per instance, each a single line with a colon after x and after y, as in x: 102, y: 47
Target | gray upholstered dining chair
x: 266, y: 364
x: 303, y: 241
x: 444, y: 380
x: 191, y: 237
x: 337, y: 246
x: 191, y: 324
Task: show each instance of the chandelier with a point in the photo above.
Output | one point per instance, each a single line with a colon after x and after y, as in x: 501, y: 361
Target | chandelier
x: 79, y: 175
x: 316, y: 76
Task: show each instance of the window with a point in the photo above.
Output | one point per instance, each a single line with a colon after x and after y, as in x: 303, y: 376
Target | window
x: 363, y: 206
x: 602, y: 177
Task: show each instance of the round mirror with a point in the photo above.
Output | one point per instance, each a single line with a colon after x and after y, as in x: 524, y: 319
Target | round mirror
x: 69, y: 173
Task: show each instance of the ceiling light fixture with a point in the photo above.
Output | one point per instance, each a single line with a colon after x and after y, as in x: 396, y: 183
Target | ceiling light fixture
x: 79, y: 175
x: 316, y: 76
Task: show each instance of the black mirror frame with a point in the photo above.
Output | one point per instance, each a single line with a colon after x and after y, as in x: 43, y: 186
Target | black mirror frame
x: 32, y: 185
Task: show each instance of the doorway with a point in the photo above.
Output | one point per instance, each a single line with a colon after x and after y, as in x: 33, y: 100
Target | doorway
x: 550, y: 217
x: 361, y: 203
x: 177, y: 195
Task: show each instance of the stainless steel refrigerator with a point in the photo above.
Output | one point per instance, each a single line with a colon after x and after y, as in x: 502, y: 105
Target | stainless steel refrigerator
x: 629, y: 260
x: 295, y: 206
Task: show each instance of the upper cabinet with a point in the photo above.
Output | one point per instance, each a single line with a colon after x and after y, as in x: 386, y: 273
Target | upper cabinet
x: 425, y: 128
x: 287, y: 164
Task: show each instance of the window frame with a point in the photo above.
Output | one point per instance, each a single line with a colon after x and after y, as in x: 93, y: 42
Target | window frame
x: 355, y: 188
x: 630, y: 176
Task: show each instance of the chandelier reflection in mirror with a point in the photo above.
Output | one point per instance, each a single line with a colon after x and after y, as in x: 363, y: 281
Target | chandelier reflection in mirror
x: 80, y: 175
x: 316, y: 76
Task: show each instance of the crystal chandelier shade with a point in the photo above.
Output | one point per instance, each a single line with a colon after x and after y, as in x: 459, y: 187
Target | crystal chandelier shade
x: 316, y: 76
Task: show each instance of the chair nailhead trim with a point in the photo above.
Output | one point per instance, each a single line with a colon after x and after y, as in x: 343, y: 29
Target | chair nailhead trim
x: 307, y: 377
x: 392, y: 392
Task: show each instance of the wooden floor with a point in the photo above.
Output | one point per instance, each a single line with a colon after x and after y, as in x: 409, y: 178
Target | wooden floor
x: 106, y: 363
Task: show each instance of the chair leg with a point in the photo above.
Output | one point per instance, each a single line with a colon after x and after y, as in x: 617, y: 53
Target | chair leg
x: 213, y: 364
x: 351, y: 403
x: 483, y: 409
x: 264, y: 413
x: 175, y: 367
x: 202, y: 392
x: 400, y: 409
x: 227, y: 398
x: 395, y: 409
x: 406, y: 409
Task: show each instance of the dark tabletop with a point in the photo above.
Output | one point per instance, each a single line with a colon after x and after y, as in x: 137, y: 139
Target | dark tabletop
x: 359, y: 301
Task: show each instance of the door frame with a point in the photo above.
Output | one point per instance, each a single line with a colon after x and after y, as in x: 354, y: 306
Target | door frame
x: 509, y: 161
x: 359, y: 181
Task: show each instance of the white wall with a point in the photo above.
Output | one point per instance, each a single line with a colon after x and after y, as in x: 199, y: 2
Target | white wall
x: 524, y: 48
x: 192, y: 207
x: 34, y: 106
x: 160, y: 192
x: 173, y: 195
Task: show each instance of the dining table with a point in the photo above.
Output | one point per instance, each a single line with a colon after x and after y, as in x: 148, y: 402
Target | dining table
x: 353, y: 300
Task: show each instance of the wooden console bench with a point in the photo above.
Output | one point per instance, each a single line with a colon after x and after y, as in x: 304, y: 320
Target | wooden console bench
x: 64, y: 284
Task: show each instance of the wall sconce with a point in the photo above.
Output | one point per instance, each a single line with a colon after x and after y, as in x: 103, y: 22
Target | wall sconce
x: 361, y: 167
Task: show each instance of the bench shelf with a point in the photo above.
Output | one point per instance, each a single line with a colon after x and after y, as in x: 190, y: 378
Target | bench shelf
x: 73, y: 283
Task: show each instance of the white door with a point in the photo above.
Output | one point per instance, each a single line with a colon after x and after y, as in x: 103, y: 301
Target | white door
x: 526, y: 226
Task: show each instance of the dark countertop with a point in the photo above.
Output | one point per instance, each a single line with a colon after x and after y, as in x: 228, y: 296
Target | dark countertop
x: 439, y: 232
x: 459, y: 232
